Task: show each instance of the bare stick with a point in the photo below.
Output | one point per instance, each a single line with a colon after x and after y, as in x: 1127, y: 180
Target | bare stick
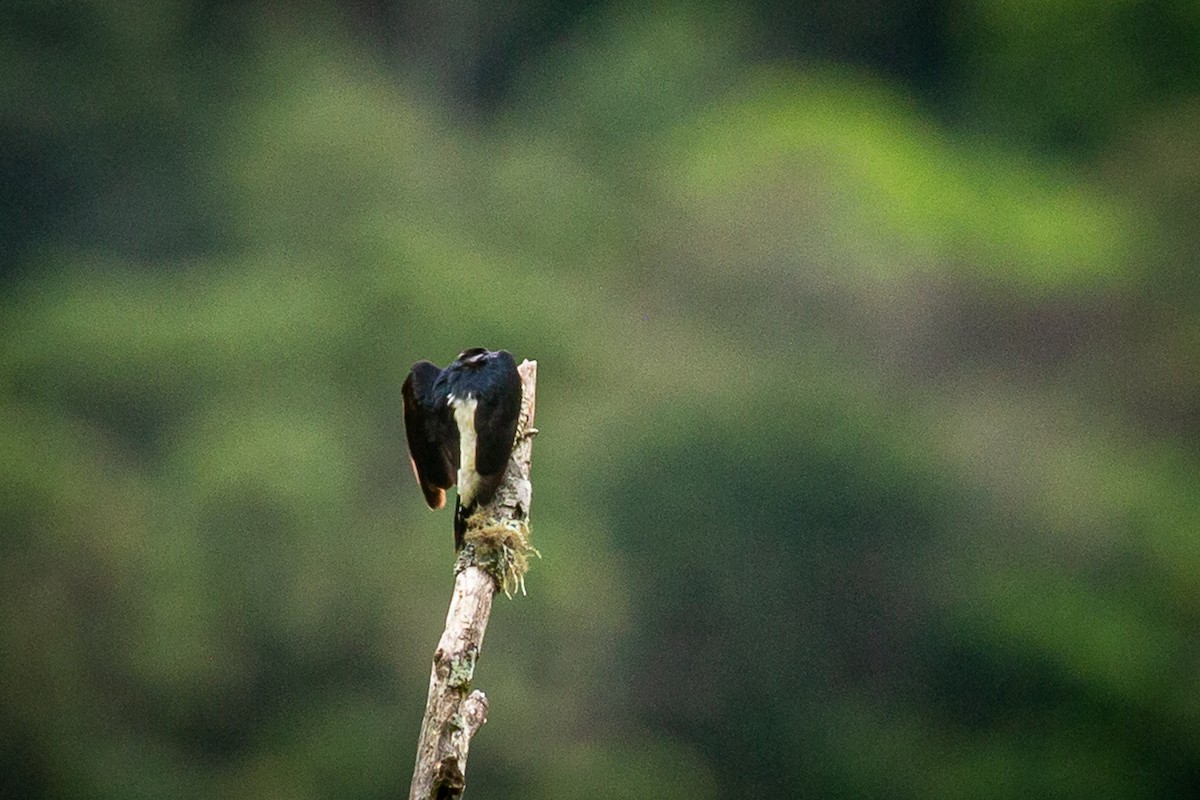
x: 494, y: 555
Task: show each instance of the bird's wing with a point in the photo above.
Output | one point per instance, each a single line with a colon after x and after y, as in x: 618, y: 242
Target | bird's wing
x: 429, y: 457
x: 496, y: 419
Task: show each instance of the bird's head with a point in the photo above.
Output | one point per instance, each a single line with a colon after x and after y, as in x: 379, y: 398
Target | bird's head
x: 473, y: 357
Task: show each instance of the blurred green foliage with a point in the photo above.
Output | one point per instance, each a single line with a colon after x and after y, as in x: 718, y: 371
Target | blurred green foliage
x: 867, y: 394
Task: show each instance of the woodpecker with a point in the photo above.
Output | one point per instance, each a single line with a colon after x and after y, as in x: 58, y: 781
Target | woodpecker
x: 460, y: 422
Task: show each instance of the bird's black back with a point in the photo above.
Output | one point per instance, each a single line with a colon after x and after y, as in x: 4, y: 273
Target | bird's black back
x: 491, y: 378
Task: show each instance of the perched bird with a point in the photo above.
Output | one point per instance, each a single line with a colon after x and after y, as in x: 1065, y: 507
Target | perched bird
x: 460, y: 422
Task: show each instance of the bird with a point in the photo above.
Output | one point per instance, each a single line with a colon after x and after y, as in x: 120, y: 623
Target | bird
x: 460, y: 423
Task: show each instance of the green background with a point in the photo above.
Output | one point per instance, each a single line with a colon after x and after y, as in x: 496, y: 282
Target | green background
x: 868, y: 393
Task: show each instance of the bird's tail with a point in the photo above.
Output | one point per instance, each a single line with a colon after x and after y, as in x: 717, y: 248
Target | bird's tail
x: 460, y: 522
